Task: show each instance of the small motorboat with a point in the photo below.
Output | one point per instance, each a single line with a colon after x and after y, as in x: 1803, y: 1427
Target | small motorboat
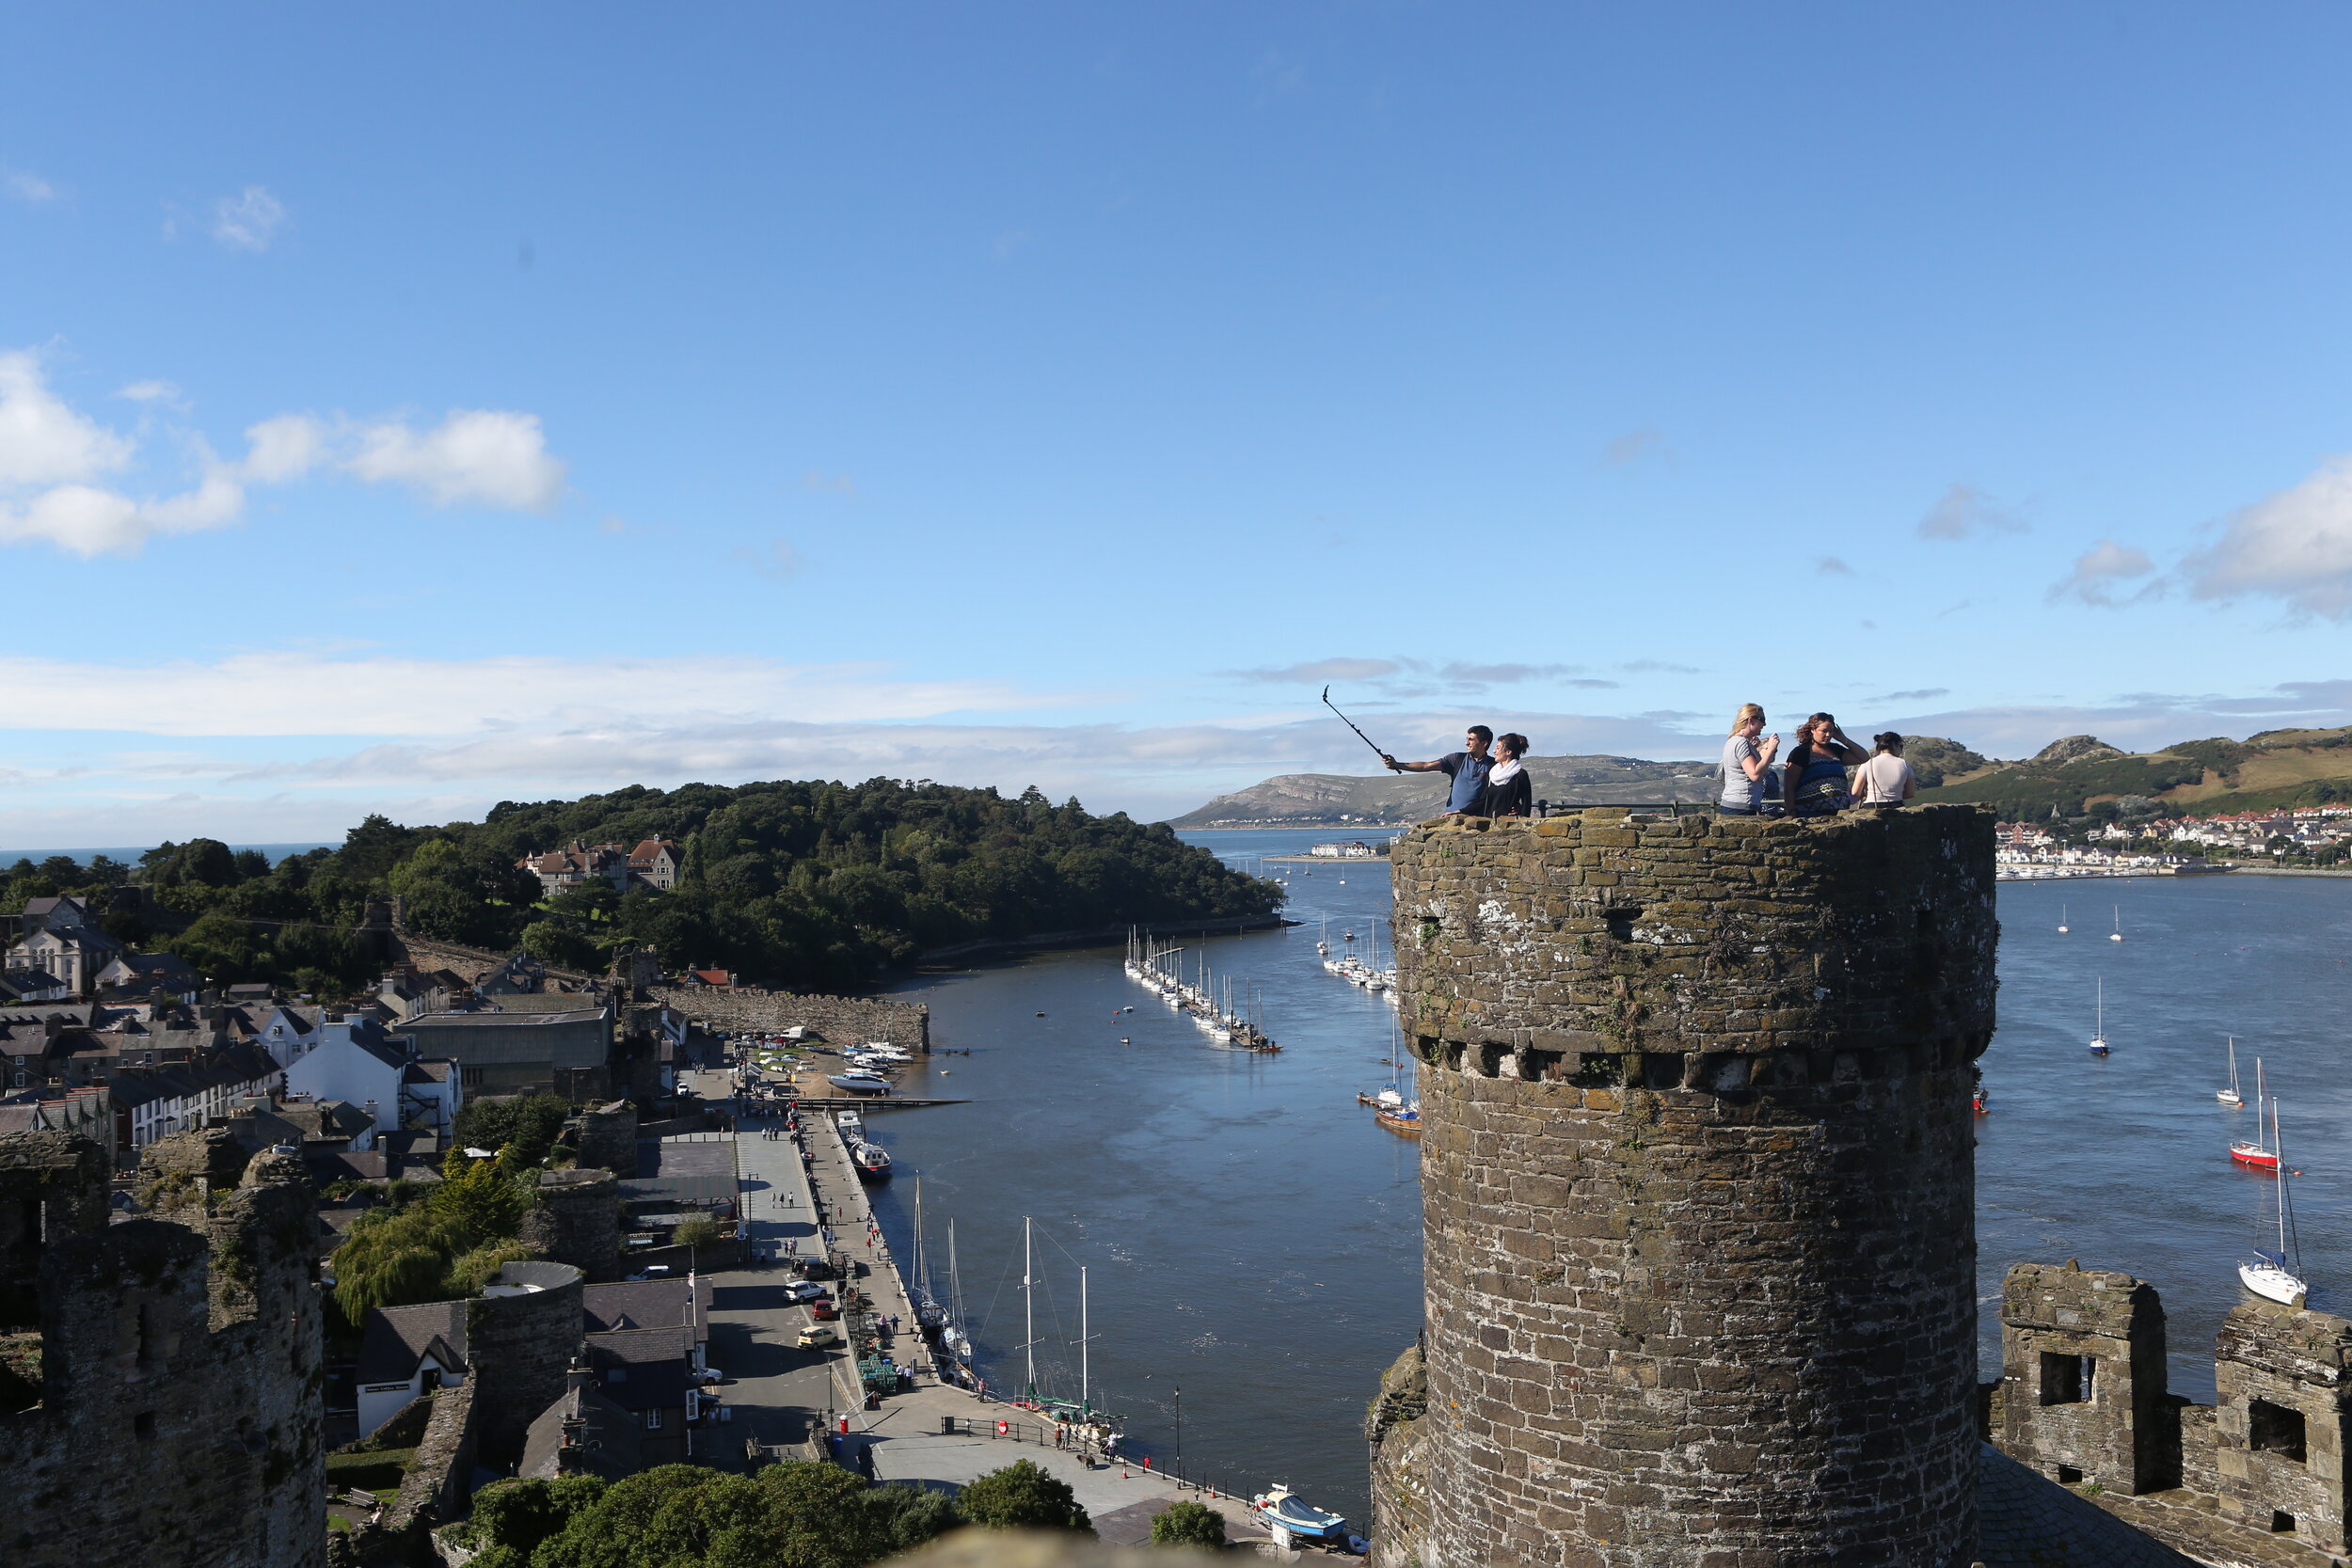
x: 1403, y: 1119
x: 1981, y: 1105
x: 872, y: 1162
x: 860, y: 1081
x: 1281, y: 1509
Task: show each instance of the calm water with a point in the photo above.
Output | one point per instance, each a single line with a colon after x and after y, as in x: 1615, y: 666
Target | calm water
x: 1253, y: 1238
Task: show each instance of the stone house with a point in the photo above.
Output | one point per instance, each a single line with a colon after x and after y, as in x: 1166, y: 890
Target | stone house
x: 583, y: 1434
x: 153, y: 1102
x: 355, y: 1060
x: 576, y: 864
x: 62, y: 937
x: 290, y: 1033
x: 31, y: 984
x: 406, y: 1352
x: 517, y: 1052
x: 143, y: 974
x: 656, y: 864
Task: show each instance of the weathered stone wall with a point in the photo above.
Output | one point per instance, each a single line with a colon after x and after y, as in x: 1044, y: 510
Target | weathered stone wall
x: 520, y: 1348
x: 2255, y: 1480
x: 2082, y: 1378
x: 577, y: 1221
x: 180, y: 1412
x: 842, y: 1020
x: 607, y: 1138
x: 1697, y: 1175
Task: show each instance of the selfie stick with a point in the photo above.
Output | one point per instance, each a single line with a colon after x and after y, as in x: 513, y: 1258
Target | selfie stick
x: 1351, y: 725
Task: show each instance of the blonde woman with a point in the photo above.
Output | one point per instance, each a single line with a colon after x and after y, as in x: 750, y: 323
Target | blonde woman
x: 1747, y: 764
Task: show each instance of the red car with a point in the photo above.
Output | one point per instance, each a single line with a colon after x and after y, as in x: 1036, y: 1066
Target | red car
x: 824, y: 1311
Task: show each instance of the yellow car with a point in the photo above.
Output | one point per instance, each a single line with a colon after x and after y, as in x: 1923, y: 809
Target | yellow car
x: 818, y: 1335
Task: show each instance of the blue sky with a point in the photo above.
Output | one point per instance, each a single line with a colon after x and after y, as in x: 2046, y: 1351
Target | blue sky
x: 413, y: 410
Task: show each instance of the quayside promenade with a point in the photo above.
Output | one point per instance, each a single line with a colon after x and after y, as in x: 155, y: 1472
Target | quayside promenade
x: 933, y: 1433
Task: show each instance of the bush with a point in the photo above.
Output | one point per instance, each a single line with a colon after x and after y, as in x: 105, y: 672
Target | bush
x: 910, y: 1515
x: 1023, y: 1496
x: 519, y: 1514
x: 699, y: 1231
x: 1188, y: 1524
x: 379, y: 1471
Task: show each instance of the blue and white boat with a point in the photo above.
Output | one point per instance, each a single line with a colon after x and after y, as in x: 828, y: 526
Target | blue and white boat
x: 860, y: 1081
x: 1281, y: 1508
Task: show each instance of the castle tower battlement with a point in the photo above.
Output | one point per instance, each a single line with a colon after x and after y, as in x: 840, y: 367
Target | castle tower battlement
x: 1698, y: 1181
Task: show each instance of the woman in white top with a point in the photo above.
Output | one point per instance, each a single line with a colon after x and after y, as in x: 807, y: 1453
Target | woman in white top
x: 1885, y: 780
x: 1747, y: 764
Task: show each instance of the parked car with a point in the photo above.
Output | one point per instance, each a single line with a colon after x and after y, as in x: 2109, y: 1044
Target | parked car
x: 804, y: 1289
x: 813, y: 1268
x: 824, y: 1311
x: 816, y: 1336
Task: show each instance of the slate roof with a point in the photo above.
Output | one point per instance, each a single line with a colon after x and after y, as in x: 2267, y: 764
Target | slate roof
x: 697, y: 1174
x: 605, y: 1442
x: 2026, y: 1520
x: 397, y: 1338
x: 646, y: 1303
x: 653, y: 1364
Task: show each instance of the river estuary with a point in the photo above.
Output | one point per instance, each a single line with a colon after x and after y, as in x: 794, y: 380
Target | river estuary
x: 1252, y: 1238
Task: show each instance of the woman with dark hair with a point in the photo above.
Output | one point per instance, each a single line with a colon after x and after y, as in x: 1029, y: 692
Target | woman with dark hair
x: 1817, y: 769
x: 1885, y: 780
x: 1506, y: 793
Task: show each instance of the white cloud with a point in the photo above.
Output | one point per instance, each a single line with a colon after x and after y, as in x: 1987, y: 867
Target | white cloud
x: 1966, y: 512
x: 2294, y: 545
x: 26, y: 186
x: 43, y: 440
x: 50, y: 455
x: 248, y: 220
x: 777, y: 560
x: 1322, y: 670
x: 484, y: 457
x: 284, y: 447
x: 2100, y: 570
x: 154, y: 391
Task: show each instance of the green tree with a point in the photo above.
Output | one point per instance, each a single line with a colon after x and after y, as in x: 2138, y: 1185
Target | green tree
x: 520, y: 1131
x: 1188, y: 1524
x: 1023, y: 1496
x: 551, y: 942
x: 516, y: 1516
x: 218, y: 946
x: 910, y: 1515
x: 822, y: 1517
x: 699, y: 1232
x: 477, y: 1196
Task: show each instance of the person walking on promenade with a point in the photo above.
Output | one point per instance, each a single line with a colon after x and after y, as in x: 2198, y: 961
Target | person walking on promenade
x: 1747, y: 764
x: 1507, y: 792
x: 1817, y: 769
x: 1466, y: 768
x: 1886, y: 778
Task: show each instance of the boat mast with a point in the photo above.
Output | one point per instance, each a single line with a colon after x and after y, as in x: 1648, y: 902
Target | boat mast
x: 2281, y: 1153
x: 1086, y: 1381
x: 1028, y: 1308
x: 955, y: 1276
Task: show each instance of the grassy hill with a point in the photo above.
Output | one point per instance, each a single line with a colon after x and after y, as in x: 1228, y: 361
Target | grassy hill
x: 1383, y: 800
x: 2275, y: 769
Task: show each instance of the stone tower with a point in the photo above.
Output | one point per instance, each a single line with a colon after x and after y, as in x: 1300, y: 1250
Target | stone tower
x: 1697, y: 1172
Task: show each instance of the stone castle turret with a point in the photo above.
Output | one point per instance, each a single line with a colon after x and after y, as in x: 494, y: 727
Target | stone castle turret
x: 160, y: 1397
x: 1697, y: 1178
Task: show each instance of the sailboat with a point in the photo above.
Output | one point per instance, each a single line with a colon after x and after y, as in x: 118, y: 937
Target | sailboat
x: 2253, y: 1152
x: 2230, y: 1096
x: 2099, y: 1034
x: 2061, y: 920
x: 2119, y: 923
x: 2268, y: 1275
x: 1323, y: 942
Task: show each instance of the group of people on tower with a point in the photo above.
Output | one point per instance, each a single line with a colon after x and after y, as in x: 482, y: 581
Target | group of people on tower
x: 1813, y: 782
x: 1490, y: 775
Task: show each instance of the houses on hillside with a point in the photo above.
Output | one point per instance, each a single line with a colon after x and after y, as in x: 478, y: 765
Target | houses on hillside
x: 654, y: 863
